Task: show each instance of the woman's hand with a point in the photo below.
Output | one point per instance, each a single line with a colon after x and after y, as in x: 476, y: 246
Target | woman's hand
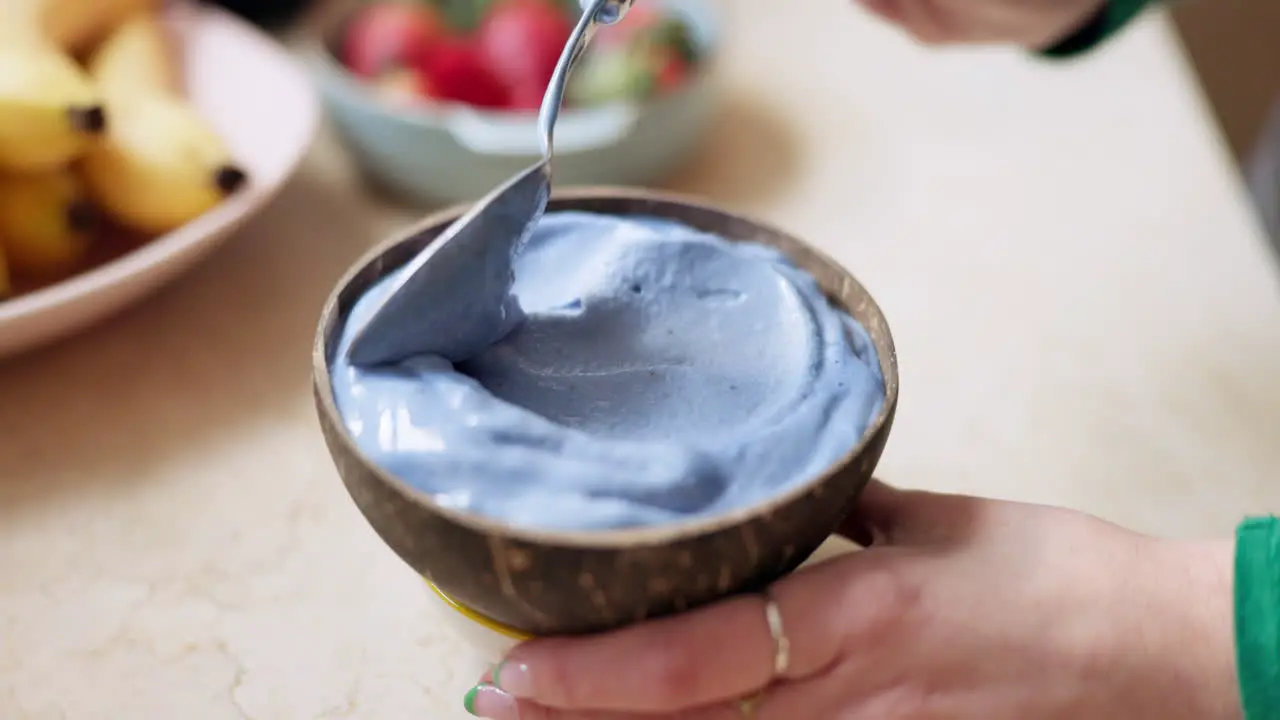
x: 963, y: 609
x: 1033, y: 24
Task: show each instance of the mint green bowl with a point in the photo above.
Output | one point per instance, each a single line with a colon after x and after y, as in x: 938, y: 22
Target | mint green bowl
x: 439, y: 155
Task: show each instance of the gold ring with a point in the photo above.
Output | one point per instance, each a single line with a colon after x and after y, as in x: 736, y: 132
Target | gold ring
x: 781, y: 643
x: 781, y: 654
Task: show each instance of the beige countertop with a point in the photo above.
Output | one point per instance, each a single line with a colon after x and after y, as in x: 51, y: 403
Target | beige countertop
x: 1085, y: 310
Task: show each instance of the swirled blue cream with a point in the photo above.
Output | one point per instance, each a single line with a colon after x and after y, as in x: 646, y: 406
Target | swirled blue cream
x: 635, y: 372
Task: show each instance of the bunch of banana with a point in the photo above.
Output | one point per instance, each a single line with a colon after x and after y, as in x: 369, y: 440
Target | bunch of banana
x: 160, y: 164
x: 51, y: 112
x: 113, y: 137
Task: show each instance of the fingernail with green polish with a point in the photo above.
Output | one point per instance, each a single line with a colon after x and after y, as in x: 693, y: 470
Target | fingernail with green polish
x: 486, y: 700
x: 469, y: 700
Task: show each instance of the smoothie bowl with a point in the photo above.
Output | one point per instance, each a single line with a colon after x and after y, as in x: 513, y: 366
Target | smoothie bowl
x: 674, y: 404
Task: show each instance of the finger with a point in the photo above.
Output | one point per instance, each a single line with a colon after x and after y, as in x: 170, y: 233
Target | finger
x: 710, y: 655
x: 821, y: 697
x: 912, y: 517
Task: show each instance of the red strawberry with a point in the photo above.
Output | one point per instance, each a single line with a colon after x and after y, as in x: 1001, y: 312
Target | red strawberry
x: 522, y: 41
x: 671, y: 74
x: 384, y: 35
x: 455, y: 70
x: 526, y: 98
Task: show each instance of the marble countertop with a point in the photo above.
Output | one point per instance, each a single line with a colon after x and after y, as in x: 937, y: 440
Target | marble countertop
x: 1085, y: 309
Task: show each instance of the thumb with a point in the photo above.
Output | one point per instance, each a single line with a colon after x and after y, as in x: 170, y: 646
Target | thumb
x: 886, y: 515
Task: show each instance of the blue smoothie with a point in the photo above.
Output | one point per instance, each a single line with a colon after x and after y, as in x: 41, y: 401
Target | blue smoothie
x: 631, y: 371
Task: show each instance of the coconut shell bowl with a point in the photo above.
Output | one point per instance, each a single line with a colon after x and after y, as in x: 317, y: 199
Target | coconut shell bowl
x: 558, y: 583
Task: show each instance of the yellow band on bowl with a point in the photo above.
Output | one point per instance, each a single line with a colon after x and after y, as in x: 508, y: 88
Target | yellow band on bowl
x: 477, y: 618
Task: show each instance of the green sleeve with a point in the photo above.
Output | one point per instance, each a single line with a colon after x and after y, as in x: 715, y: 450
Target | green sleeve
x: 1113, y: 15
x: 1257, y: 611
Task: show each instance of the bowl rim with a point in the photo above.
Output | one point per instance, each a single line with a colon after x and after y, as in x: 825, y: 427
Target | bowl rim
x: 319, y: 46
x: 628, y: 538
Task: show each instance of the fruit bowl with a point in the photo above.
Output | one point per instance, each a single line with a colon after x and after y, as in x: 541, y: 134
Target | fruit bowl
x: 549, y: 583
x: 430, y: 154
x: 261, y: 103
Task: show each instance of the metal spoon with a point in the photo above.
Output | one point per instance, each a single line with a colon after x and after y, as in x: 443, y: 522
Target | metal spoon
x: 481, y: 244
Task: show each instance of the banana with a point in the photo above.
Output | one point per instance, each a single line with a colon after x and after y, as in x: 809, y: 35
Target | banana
x: 160, y: 165
x: 46, y: 223
x: 73, y: 25
x: 78, y: 24
x: 140, y: 57
x: 50, y: 111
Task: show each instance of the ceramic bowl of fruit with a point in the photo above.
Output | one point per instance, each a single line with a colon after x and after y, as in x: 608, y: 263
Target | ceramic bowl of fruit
x: 133, y: 137
x: 438, y: 98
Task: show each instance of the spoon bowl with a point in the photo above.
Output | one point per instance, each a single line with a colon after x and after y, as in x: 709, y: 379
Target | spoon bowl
x: 563, y: 582
x: 485, y: 237
x: 488, y: 237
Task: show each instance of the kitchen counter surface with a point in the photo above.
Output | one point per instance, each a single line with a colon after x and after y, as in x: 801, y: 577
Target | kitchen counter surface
x: 1084, y: 306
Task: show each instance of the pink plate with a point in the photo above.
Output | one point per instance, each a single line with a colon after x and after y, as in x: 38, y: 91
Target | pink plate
x: 263, y: 104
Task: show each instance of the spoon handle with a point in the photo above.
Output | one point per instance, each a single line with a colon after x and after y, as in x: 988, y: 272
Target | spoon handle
x: 594, y: 14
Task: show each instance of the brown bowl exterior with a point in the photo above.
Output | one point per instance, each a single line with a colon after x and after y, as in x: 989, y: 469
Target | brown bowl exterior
x: 553, y: 583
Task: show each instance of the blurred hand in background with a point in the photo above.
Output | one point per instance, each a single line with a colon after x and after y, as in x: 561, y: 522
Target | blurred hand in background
x: 1033, y: 24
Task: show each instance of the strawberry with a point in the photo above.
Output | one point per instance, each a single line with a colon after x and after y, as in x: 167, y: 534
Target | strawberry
x: 522, y: 41
x: 526, y: 98
x: 383, y: 35
x: 455, y: 70
x: 672, y: 72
